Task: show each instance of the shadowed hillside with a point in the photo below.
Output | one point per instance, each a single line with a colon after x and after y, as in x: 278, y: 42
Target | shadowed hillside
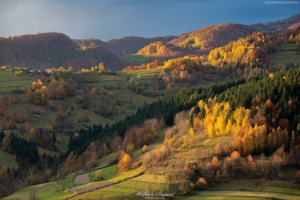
x: 130, y: 45
x: 52, y: 50
x: 92, y: 43
x: 125, y: 45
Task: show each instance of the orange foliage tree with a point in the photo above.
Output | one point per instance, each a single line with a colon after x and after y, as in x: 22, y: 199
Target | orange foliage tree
x: 125, y: 162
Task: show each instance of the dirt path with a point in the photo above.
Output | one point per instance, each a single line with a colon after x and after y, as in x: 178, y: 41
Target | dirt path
x: 91, y: 187
x: 82, y: 179
x: 94, y: 186
x: 250, y: 194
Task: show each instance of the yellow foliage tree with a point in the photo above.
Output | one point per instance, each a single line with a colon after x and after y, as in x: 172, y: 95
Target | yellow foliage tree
x: 191, y: 132
x: 144, y: 149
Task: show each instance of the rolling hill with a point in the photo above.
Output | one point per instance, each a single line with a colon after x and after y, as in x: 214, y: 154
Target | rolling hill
x: 53, y: 50
x: 93, y: 43
x: 160, y: 49
x: 212, y: 36
x: 277, y: 26
x: 202, y: 39
x: 294, y: 26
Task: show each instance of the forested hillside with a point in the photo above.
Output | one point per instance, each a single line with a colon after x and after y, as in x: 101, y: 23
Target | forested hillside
x: 250, y: 51
x: 212, y: 36
x: 257, y: 121
x: 130, y: 45
x: 251, y: 55
x: 294, y: 26
x: 277, y: 26
x: 52, y: 50
x: 92, y: 43
x: 249, y: 94
x: 160, y: 49
x: 250, y: 131
x: 163, y: 109
x: 261, y: 116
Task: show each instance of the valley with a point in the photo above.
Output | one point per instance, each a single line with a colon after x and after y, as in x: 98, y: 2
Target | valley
x: 210, y: 114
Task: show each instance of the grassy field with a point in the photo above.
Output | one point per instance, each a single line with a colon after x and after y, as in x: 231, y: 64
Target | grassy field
x: 281, y: 190
x: 256, y: 185
x: 9, y: 82
x: 287, y: 53
x: 89, y: 188
x: 6, y: 75
x: 128, y: 174
x: 45, y: 191
x: 135, y: 58
x: 151, y: 179
x: 109, y: 193
x: 50, y: 152
x: 104, y: 162
x: 107, y: 172
x: 161, y: 135
x: 66, y: 183
x: 126, y: 190
x: 63, y: 146
x: 116, y: 84
x: 7, y: 160
x: 14, y: 131
x: 138, y: 154
x: 43, y: 120
x: 203, y: 197
x: 243, y: 194
x: 142, y: 185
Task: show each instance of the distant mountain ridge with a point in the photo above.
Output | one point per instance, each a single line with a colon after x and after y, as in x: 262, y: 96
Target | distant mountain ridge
x: 53, y: 50
x: 91, y: 43
x: 121, y: 46
x: 56, y: 49
x: 205, y: 38
x: 277, y: 26
x: 210, y: 37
